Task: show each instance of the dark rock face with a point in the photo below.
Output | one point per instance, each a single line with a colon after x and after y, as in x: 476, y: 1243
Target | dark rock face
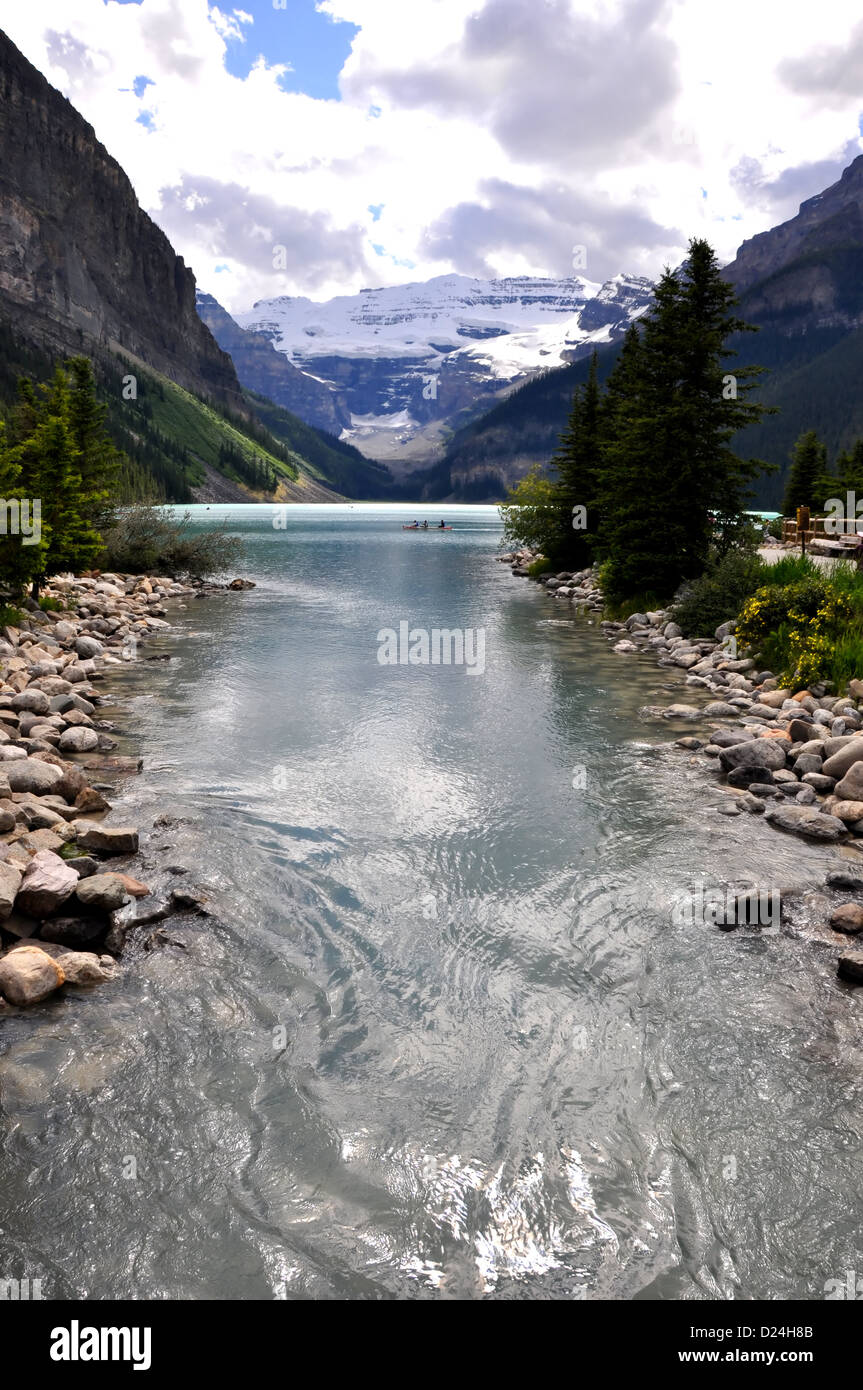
x: 807, y: 270
x: 270, y: 373
x: 82, y: 266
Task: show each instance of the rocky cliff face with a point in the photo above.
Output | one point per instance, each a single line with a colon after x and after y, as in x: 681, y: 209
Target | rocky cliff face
x: 806, y: 272
x: 271, y: 373
x: 82, y: 266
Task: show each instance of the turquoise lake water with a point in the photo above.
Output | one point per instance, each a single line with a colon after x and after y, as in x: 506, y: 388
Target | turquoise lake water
x: 442, y: 1036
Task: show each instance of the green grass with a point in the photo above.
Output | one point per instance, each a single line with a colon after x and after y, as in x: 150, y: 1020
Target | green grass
x: 847, y: 661
x: 642, y: 603
x: 540, y: 566
x: 789, y: 570
x: 200, y: 428
x: 10, y: 616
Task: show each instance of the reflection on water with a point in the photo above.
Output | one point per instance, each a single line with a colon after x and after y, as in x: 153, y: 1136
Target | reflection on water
x: 441, y: 1037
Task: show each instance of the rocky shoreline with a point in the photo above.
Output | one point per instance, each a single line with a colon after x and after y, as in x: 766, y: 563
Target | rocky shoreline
x: 67, y: 897
x: 795, y: 757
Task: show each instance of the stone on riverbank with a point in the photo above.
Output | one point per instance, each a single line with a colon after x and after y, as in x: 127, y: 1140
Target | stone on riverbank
x: 730, y: 738
x: 106, y: 839
x: 46, y: 884
x: 848, y: 918
x: 841, y: 762
x: 745, y: 776
x: 851, y: 786
x: 849, y: 811
x: 762, y: 751
x: 78, y: 967
x: 133, y: 887
x: 850, y: 966
x: 10, y: 882
x: 846, y: 882
x: 78, y: 740
x: 33, y: 775
x: 818, y: 782
x: 28, y: 974
x: 807, y: 762
x: 803, y: 820
x: 89, y: 800
x: 72, y: 931
x: 101, y: 893
x: 189, y: 900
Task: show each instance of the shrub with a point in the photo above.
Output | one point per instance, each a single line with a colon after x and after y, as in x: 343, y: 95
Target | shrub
x: 717, y: 595
x: 799, y: 626
x: 532, y: 514
x: 146, y: 540
x: 10, y: 616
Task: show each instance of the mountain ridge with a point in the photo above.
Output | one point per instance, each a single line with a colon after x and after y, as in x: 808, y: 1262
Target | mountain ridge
x: 410, y: 363
x: 85, y: 270
x: 800, y: 283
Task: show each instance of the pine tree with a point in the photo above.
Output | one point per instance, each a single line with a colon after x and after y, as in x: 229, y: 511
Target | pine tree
x: 669, y: 480
x: 617, y: 416
x: 70, y: 489
x: 99, y: 458
x: 577, y: 465
x: 16, y: 563
x: 50, y: 466
x: 808, y: 467
x: 846, y: 477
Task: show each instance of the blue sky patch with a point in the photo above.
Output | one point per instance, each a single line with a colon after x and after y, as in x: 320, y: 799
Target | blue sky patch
x: 314, y: 45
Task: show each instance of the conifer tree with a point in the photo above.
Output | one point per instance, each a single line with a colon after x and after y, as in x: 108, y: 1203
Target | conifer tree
x: 846, y: 477
x: 14, y: 568
x: 577, y: 465
x: 808, y: 467
x: 99, y: 459
x: 65, y: 461
x: 670, y: 481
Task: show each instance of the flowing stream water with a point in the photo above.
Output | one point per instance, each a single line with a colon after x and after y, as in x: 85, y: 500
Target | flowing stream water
x: 444, y: 1035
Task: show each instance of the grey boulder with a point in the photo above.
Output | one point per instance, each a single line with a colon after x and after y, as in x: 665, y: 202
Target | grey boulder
x: 32, y: 775
x: 78, y: 740
x: 760, y: 752
x: 804, y: 820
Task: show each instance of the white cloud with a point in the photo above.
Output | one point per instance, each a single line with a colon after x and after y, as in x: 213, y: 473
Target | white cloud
x: 496, y: 133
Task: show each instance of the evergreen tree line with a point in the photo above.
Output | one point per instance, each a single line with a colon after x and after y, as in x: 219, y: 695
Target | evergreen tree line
x: 811, y: 483
x: 154, y: 467
x: 58, y: 467
x: 256, y: 472
x: 644, y: 478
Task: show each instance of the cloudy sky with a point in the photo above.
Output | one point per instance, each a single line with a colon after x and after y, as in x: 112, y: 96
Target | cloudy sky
x: 294, y: 147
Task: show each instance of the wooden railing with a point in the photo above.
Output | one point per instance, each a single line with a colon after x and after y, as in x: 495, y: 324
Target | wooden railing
x: 790, y: 533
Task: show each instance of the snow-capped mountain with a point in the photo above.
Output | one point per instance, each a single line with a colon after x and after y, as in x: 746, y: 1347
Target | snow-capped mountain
x: 409, y: 362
